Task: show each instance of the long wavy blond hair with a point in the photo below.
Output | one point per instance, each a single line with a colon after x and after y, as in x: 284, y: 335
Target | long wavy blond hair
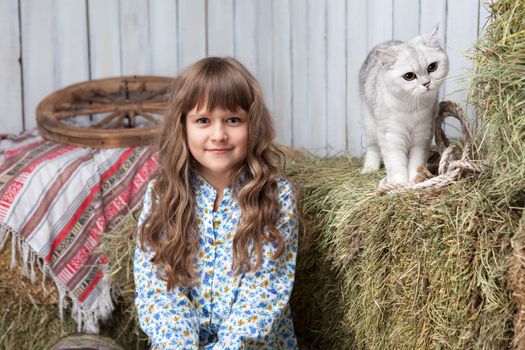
x: 171, y: 228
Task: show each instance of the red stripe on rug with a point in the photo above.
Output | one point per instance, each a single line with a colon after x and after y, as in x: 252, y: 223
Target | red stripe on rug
x: 84, y: 204
x: 53, y: 189
x: 15, y: 151
x: 23, y: 173
x: 90, y: 287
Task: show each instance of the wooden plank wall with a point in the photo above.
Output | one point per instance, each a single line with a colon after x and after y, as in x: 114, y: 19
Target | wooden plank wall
x: 305, y: 53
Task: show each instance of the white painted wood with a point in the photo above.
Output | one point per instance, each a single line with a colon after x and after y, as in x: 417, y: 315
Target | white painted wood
x: 54, y: 49
x: 104, y: 38
x: 336, y: 114
x: 71, y: 64
x: 434, y: 13
x: 221, y: 28
x: 135, y: 43
x: 380, y: 25
x: 305, y: 53
x: 483, y: 16
x: 11, y: 120
x: 192, y: 31
x: 163, y: 37
x: 282, y: 70
x: 406, y: 19
x: 38, y: 55
x: 316, y: 94
x: 300, y: 74
x: 483, y: 21
x: 104, y: 41
x: 357, y: 50
x: 264, y: 44
x: 462, y: 31
x: 245, y: 48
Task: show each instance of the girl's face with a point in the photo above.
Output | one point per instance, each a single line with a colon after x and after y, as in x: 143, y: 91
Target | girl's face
x: 218, y: 140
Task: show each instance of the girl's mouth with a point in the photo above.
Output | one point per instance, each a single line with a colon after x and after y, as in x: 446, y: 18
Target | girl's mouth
x: 218, y: 150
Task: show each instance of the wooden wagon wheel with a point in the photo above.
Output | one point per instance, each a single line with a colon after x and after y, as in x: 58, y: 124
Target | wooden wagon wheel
x: 112, y: 112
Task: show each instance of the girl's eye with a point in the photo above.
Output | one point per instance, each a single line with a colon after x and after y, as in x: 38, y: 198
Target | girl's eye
x: 409, y: 76
x: 202, y: 121
x: 233, y: 120
x: 432, y: 67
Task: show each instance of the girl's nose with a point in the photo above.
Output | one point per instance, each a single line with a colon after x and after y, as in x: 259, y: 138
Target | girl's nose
x: 219, y: 133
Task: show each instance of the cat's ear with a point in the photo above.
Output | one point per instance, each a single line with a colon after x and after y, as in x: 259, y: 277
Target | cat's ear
x: 432, y: 38
x: 386, y: 58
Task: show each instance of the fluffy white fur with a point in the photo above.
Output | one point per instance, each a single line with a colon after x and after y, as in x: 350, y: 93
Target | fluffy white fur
x: 398, y: 114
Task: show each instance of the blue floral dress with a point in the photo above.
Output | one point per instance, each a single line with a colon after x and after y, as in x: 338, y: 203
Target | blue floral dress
x: 248, y: 311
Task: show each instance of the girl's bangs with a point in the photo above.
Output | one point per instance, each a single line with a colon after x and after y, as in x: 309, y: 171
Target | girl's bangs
x: 220, y: 86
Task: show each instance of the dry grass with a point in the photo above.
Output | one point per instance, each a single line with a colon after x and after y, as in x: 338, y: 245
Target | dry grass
x: 418, y: 270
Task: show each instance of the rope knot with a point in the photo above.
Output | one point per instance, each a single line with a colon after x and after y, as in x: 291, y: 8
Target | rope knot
x: 454, y: 164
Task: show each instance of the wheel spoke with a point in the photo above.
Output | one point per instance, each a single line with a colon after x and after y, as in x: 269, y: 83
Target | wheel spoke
x: 132, y: 118
x: 106, y: 120
x: 120, y: 119
x: 149, y: 117
x: 157, y: 107
x: 154, y: 94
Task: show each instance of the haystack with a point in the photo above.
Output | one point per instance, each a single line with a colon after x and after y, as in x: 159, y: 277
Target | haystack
x: 427, y: 269
x: 415, y: 270
x: 423, y: 269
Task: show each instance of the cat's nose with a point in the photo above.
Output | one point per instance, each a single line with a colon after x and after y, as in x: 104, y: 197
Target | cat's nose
x: 427, y: 84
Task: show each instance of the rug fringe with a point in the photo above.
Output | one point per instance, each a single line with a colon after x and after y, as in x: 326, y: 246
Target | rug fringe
x: 87, y: 318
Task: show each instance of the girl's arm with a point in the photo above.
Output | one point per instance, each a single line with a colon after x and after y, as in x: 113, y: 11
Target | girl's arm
x: 168, y: 318
x: 262, y: 301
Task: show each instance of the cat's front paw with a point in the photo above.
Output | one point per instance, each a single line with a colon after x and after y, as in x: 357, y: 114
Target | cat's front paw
x: 385, y: 183
x: 387, y: 187
x: 368, y: 169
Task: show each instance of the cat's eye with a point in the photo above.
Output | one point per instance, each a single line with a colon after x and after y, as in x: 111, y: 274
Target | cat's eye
x: 409, y: 76
x: 432, y: 67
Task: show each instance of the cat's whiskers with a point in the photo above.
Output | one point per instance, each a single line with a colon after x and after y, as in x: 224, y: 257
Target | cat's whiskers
x: 413, y: 107
x: 407, y: 101
x: 411, y: 102
x: 439, y: 80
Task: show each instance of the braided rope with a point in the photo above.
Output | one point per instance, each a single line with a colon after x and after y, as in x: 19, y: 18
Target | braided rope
x: 454, y: 163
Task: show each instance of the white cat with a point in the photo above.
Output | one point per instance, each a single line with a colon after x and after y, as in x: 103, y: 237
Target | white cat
x: 399, y: 85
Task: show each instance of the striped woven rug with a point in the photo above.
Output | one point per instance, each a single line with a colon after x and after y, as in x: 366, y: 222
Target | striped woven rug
x: 57, y: 202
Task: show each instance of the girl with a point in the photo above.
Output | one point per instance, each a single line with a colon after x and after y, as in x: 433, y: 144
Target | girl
x: 215, y: 261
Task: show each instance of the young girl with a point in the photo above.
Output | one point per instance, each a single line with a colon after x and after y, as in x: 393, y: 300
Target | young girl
x: 215, y: 261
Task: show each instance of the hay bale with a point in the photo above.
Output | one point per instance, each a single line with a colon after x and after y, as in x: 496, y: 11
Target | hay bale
x: 416, y: 270
x: 431, y: 269
x: 20, y: 287
x: 517, y: 283
x: 28, y: 315
x: 499, y: 94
